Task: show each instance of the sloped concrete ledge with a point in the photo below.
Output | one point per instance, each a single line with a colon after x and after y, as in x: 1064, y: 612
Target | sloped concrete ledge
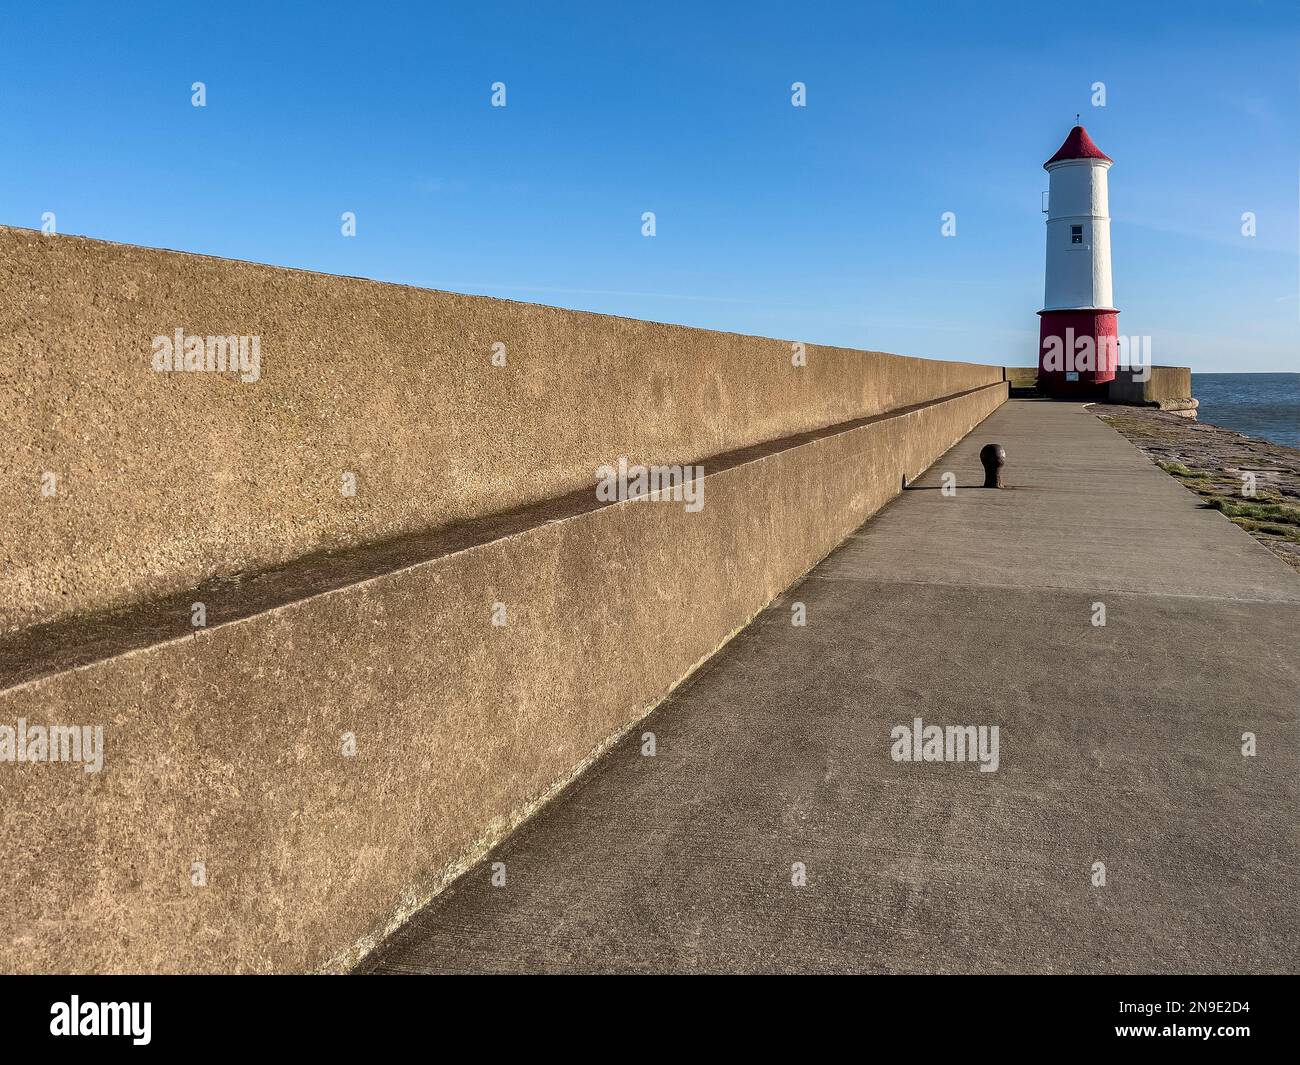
x: 227, y: 748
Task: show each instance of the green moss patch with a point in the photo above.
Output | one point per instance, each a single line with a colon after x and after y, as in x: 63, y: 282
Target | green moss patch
x: 1256, y: 511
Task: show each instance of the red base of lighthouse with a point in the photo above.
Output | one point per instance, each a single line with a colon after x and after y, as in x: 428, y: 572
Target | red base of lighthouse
x: 1070, y: 366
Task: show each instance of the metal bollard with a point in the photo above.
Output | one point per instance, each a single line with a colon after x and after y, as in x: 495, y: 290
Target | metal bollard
x: 993, y: 457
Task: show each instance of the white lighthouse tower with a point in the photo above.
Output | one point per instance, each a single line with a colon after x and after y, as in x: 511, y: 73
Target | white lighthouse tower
x: 1079, y: 323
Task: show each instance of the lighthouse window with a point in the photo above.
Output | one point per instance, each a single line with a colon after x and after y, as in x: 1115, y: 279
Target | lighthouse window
x: 1076, y: 234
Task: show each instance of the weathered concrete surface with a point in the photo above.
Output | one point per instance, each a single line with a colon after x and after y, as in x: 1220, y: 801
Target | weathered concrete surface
x: 1119, y: 744
x: 169, y: 479
x: 227, y: 747
x: 1214, y: 462
x: 1022, y: 377
x: 1086, y: 512
x: 1165, y: 387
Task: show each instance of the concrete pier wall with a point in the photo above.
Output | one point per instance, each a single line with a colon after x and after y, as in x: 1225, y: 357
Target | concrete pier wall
x: 164, y: 479
x: 1166, y: 387
x: 354, y: 726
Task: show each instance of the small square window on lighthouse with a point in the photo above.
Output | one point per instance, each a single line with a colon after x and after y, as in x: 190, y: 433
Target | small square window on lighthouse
x: 1076, y: 234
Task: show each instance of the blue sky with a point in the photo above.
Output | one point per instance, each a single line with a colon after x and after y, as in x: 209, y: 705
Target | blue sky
x: 819, y: 224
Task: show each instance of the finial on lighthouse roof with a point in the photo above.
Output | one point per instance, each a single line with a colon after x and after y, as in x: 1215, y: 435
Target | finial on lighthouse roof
x: 1078, y: 145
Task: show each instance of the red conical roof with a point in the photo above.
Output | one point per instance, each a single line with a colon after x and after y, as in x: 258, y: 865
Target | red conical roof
x: 1078, y: 145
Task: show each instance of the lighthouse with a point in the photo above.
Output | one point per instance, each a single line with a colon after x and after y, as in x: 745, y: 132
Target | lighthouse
x: 1078, y: 329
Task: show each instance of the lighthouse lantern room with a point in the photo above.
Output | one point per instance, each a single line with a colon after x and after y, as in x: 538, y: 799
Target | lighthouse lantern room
x: 1078, y: 329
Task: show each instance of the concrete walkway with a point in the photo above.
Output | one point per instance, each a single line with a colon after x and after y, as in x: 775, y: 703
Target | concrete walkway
x: 1118, y: 744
